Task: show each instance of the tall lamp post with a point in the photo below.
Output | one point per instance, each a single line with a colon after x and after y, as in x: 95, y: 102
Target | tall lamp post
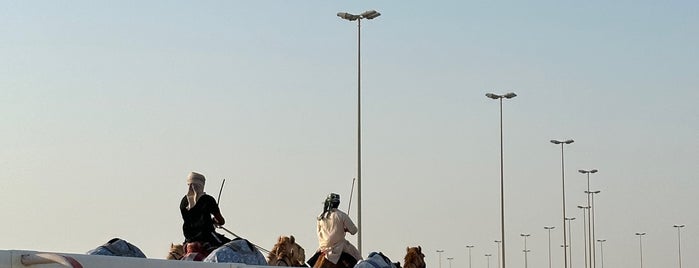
x: 371, y: 14
x: 592, y: 216
x: 589, y: 217
x: 502, y: 176
x: 585, y: 208
x: 601, y: 251
x: 568, y: 247
x: 640, y: 245
x: 440, y: 257
x: 449, y: 259
x: 679, y: 243
x: 487, y: 256
x: 549, y: 228
x: 469, y: 247
x: 525, y: 248
x: 565, y: 255
x: 498, y: 244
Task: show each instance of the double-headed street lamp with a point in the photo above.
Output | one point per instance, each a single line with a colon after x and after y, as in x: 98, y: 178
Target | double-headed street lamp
x: 469, y: 247
x: 589, y: 217
x: 640, y: 245
x: 502, y: 176
x: 525, y: 248
x: 449, y: 259
x: 592, y: 218
x: 570, y: 238
x: 679, y: 243
x: 601, y: 250
x: 487, y: 256
x: 371, y: 14
x: 565, y: 255
x: 440, y: 257
x: 549, y: 228
x: 585, y: 209
x: 498, y: 245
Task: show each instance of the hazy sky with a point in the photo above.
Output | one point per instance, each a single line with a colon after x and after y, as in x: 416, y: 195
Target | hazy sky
x: 107, y: 106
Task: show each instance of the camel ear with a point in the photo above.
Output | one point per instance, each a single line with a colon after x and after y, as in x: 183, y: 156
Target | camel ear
x: 279, y: 239
x: 407, y: 249
x: 293, y: 240
x: 419, y: 248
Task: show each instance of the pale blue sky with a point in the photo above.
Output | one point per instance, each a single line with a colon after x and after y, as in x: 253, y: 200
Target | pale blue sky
x: 107, y: 106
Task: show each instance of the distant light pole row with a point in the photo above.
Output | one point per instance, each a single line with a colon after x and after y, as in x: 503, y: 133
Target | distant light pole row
x: 502, y: 176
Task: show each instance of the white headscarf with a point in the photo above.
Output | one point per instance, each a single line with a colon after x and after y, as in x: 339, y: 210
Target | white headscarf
x: 196, y: 182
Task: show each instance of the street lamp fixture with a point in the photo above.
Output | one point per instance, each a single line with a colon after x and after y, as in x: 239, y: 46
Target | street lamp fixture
x: 591, y: 211
x: 371, y: 14
x: 640, y: 245
x: 498, y: 245
x: 570, y: 242
x: 679, y: 243
x: 563, y: 185
x: 590, y: 236
x: 585, y: 236
x: 440, y: 257
x: 525, y: 248
x: 601, y: 250
x: 469, y: 247
x: 487, y: 256
x: 549, y: 228
x: 502, y: 176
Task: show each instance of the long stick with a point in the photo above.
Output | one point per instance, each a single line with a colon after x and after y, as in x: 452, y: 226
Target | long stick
x: 219, y: 192
x: 258, y: 247
x: 350, y: 200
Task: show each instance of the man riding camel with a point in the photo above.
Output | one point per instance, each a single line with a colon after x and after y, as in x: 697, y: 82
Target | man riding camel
x: 332, y: 226
x: 200, y: 213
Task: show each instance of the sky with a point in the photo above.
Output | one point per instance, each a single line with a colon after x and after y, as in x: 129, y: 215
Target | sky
x: 107, y: 106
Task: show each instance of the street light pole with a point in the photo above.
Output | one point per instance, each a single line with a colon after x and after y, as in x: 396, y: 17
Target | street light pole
x: 502, y: 176
x: 440, y: 257
x: 498, y: 244
x: 592, y: 215
x: 585, y: 208
x: 449, y: 259
x: 569, y: 241
x: 601, y: 251
x: 565, y: 255
x: 525, y: 248
x: 371, y: 14
x: 640, y: 245
x: 679, y: 243
x: 590, y: 238
x: 487, y: 256
x: 549, y: 228
x: 469, y: 255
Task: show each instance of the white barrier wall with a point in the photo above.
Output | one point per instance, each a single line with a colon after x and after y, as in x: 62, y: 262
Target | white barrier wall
x: 14, y: 259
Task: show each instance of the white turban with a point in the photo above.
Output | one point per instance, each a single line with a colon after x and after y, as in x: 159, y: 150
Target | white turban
x: 196, y: 182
